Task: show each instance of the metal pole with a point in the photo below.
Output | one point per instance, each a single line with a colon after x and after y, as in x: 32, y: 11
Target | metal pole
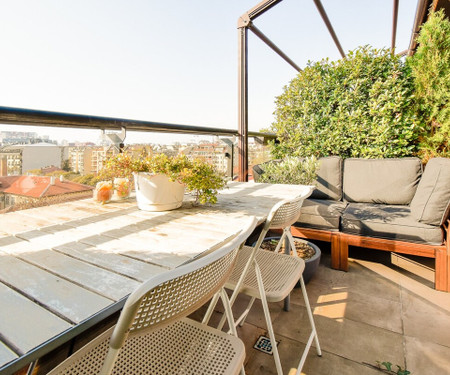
x: 394, y: 25
x: 243, y: 100
x: 272, y: 45
x: 325, y: 18
x: 421, y: 11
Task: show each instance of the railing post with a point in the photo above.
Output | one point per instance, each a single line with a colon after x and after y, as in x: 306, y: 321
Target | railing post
x: 243, y: 98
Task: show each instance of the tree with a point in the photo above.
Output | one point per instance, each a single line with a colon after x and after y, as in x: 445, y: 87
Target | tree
x: 430, y: 67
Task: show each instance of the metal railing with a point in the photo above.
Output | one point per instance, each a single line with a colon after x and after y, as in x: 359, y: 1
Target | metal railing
x: 21, y: 116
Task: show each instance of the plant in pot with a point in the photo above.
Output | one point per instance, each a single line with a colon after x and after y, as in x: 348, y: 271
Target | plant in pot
x: 293, y: 170
x: 161, y: 180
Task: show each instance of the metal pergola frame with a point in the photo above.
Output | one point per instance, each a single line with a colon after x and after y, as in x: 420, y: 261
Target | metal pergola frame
x: 245, y: 23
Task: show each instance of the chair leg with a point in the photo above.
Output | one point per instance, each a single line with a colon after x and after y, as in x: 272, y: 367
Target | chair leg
x: 280, y: 242
x: 210, y: 310
x: 265, y: 305
x: 313, y: 328
x: 240, y: 321
x: 229, y: 315
x: 292, y: 242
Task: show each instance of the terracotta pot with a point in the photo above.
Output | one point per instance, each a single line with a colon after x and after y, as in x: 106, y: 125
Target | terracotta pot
x: 155, y: 192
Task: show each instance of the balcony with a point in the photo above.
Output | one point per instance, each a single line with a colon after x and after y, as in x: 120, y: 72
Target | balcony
x: 383, y: 310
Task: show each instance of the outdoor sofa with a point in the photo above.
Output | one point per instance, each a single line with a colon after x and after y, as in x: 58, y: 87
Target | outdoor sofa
x: 385, y: 204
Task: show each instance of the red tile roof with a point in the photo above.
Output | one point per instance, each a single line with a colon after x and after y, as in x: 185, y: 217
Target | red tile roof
x: 39, y: 186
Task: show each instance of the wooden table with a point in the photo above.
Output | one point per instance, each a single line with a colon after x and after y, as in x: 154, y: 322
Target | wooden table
x: 65, y: 267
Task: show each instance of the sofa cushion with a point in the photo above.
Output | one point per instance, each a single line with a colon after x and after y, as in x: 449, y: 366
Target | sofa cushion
x: 329, y: 179
x: 388, y: 221
x: 321, y: 214
x: 431, y: 202
x: 386, y: 181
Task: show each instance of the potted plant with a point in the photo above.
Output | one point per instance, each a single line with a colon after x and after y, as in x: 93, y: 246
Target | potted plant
x: 293, y: 170
x: 290, y: 170
x: 307, y: 250
x: 161, y: 180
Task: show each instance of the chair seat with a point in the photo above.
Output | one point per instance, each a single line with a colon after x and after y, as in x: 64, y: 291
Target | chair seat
x: 280, y: 273
x: 184, y: 347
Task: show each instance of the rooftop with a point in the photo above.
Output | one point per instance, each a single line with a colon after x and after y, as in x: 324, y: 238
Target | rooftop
x: 39, y: 186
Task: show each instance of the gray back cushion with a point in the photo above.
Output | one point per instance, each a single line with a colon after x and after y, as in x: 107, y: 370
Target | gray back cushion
x: 431, y: 202
x: 329, y: 179
x: 386, y: 181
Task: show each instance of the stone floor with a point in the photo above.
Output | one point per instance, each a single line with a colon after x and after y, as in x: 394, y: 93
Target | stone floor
x: 383, y: 309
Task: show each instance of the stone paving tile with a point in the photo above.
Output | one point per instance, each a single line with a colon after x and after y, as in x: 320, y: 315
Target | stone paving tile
x: 426, y: 358
x: 290, y: 354
x: 360, y: 317
x: 334, y: 303
x: 356, y: 341
x: 425, y: 320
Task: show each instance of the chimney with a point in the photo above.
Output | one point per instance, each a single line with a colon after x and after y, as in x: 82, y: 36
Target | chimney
x: 61, y: 178
x: 52, y: 180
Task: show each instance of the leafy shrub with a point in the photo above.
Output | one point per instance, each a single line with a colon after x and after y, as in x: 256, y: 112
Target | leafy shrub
x: 197, y: 175
x: 430, y: 67
x: 291, y: 170
x: 360, y: 106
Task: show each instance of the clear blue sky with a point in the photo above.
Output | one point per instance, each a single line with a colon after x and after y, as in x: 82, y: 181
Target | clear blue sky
x: 171, y: 60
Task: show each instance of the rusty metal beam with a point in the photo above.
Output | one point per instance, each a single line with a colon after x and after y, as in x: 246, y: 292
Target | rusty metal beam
x: 420, y: 17
x: 394, y: 25
x: 273, y: 46
x: 325, y: 18
x: 243, y: 103
x: 261, y: 8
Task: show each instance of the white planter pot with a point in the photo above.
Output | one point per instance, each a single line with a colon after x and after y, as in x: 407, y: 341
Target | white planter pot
x: 155, y: 192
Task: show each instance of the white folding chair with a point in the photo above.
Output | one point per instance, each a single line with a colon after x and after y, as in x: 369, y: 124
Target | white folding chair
x: 271, y: 276
x: 153, y: 335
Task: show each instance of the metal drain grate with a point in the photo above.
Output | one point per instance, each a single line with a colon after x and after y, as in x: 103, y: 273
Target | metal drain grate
x: 264, y: 345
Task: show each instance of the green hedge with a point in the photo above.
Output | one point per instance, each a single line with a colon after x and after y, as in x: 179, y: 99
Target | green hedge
x: 361, y: 106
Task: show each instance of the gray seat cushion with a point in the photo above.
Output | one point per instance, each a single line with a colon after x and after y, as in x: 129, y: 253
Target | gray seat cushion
x: 388, y: 221
x: 431, y: 202
x: 321, y: 214
x: 385, y: 181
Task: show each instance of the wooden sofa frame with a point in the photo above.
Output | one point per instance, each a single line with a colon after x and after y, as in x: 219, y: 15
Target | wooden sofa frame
x: 341, y: 241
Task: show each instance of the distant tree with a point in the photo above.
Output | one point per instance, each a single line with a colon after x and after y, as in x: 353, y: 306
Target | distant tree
x: 66, y: 165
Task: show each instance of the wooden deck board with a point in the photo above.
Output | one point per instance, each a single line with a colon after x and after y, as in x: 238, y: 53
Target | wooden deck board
x: 106, y: 283
x: 115, y: 262
x: 6, y: 354
x: 58, y: 295
x: 24, y: 323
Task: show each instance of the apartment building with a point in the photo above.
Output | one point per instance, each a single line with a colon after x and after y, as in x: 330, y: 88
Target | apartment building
x: 16, y: 160
x: 89, y: 159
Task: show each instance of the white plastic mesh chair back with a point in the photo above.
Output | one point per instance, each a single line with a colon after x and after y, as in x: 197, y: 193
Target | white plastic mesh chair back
x: 179, y: 297
x: 287, y: 214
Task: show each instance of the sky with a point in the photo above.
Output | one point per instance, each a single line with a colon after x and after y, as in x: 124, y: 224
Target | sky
x: 172, y: 61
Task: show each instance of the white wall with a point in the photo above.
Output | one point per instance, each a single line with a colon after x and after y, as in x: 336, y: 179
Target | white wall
x: 39, y: 156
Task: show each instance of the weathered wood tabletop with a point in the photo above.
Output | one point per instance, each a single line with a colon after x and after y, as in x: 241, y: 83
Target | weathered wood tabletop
x: 61, y: 265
